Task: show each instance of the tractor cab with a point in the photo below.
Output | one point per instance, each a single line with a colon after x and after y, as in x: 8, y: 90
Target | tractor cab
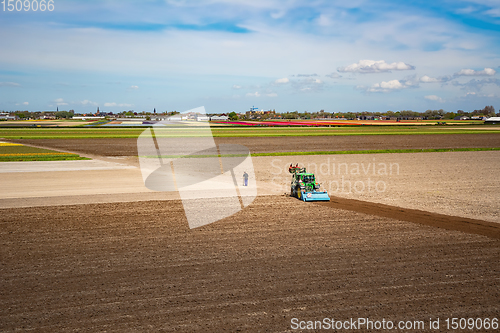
x: 307, y: 178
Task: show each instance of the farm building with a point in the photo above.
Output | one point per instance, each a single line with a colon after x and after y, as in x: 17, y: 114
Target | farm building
x: 222, y: 117
x: 6, y: 116
x: 492, y: 121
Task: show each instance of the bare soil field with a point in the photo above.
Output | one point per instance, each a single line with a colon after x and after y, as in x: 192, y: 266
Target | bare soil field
x: 135, y: 267
x: 128, y: 147
x: 420, y: 249
x: 452, y: 183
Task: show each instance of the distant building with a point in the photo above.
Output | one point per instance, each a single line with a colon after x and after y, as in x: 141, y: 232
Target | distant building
x: 254, y: 113
x: 219, y: 118
x: 492, y: 121
x: 6, y: 116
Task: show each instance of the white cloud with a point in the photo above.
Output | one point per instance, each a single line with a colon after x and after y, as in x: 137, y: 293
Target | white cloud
x: 115, y: 104
x: 272, y: 95
x: 60, y: 102
x: 282, y: 81
x: 428, y: 79
x: 9, y: 84
x: 134, y: 87
x: 279, y: 14
x: 385, y: 86
x: 494, y: 12
x: 393, y: 84
x: 334, y: 75
x: 324, y: 21
x: 308, y: 84
x: 470, y: 72
x: 87, y: 102
x: 235, y: 86
x: 26, y: 103
x: 477, y: 84
x: 255, y: 94
x: 434, y: 98
x: 440, y: 79
x: 474, y: 95
x: 372, y: 66
x: 466, y: 10
x: 307, y: 75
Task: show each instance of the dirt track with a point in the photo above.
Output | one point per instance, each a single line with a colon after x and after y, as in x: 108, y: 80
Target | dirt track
x: 128, y: 147
x: 137, y: 267
x: 449, y: 222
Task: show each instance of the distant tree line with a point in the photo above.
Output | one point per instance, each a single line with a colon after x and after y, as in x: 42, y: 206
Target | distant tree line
x: 487, y: 111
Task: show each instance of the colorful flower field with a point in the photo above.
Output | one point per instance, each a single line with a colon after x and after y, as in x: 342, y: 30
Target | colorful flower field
x: 315, y: 123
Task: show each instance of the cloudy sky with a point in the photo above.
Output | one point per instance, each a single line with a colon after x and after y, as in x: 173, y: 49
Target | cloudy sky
x: 230, y: 55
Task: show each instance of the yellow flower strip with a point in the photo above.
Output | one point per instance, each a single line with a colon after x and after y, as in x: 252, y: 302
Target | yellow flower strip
x: 8, y: 144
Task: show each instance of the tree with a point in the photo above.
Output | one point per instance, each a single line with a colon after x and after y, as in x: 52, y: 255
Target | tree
x: 233, y: 116
x: 21, y: 115
x: 489, y: 110
x: 63, y: 114
x: 349, y: 115
x: 449, y: 115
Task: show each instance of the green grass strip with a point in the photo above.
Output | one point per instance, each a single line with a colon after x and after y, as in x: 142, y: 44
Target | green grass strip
x: 377, y: 151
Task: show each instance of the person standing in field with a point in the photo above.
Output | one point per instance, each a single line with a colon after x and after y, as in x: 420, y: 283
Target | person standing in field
x: 245, y: 178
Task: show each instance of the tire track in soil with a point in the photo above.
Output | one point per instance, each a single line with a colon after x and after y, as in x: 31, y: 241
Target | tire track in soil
x: 448, y: 222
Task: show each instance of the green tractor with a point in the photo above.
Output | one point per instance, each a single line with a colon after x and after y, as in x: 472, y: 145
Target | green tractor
x: 304, y: 185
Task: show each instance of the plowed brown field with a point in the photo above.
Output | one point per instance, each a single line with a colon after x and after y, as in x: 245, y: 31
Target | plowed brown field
x: 128, y: 147
x: 135, y: 267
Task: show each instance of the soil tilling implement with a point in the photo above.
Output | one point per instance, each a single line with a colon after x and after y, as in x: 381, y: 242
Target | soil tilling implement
x: 304, y: 185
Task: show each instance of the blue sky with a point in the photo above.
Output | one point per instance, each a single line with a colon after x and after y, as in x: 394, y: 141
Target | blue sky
x: 230, y: 55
